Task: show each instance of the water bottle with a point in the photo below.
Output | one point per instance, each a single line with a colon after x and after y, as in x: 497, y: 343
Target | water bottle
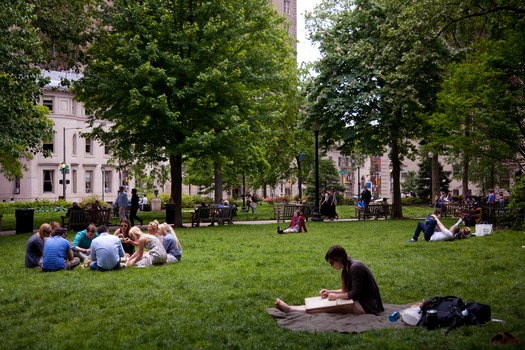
x: 394, y: 316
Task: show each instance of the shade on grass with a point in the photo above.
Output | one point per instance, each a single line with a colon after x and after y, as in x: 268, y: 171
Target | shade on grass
x: 216, y: 297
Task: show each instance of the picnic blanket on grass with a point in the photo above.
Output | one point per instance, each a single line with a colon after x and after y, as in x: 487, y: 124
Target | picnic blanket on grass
x: 300, y: 321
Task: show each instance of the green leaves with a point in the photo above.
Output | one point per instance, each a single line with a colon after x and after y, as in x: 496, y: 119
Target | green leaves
x: 23, y: 126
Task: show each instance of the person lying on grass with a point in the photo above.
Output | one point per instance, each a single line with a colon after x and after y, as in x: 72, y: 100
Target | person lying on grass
x: 155, y: 256
x: 434, y: 230
x: 358, y: 284
x: 297, y: 224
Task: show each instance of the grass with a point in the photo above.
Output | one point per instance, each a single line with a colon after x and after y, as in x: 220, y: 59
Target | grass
x: 217, y: 296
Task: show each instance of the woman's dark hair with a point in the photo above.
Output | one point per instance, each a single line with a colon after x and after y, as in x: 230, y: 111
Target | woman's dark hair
x: 338, y: 253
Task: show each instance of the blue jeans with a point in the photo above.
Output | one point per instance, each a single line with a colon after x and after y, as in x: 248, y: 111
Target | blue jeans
x: 428, y: 227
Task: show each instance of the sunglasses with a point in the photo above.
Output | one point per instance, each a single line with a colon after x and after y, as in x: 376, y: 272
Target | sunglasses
x: 123, y: 225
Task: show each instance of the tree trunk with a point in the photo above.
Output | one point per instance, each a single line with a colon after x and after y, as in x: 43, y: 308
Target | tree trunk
x: 464, y: 176
x: 436, y: 190
x: 397, y: 205
x: 176, y: 188
x: 217, y: 169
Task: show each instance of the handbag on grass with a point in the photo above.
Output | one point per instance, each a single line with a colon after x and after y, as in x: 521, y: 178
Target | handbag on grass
x: 483, y: 229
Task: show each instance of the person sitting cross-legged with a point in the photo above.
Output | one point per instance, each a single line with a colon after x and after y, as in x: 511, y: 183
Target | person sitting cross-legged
x: 106, y: 251
x: 82, y: 242
x: 57, y: 253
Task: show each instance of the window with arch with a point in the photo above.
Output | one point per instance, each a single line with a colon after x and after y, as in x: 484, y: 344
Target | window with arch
x: 75, y: 137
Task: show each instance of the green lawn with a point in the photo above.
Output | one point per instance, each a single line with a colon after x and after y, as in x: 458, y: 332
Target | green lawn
x: 217, y: 296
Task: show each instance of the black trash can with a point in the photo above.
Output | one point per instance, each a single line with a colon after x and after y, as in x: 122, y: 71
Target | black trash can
x: 24, y: 220
x: 170, y: 213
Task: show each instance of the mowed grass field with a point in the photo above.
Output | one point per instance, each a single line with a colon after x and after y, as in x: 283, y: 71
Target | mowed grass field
x: 217, y: 296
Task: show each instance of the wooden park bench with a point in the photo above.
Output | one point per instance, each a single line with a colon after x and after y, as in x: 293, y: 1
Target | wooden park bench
x: 454, y: 209
x: 289, y: 209
x: 80, y: 219
x: 374, y: 211
x: 223, y: 215
x: 200, y: 215
x: 278, y: 209
x: 212, y: 214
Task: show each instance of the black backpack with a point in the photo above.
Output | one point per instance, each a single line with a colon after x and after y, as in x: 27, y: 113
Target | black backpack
x: 452, y: 312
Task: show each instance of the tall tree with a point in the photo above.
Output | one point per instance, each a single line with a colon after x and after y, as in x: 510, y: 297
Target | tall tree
x: 171, y: 79
x: 379, y: 72
x: 24, y: 126
x: 479, y: 122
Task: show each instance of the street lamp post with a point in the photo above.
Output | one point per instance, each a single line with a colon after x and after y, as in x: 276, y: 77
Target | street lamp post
x: 300, y: 174
x: 103, y: 169
x: 243, y: 209
x: 430, y: 157
x: 316, y: 215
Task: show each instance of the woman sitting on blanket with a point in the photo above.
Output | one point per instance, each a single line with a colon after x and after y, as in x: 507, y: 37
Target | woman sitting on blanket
x: 297, y: 224
x: 358, y: 284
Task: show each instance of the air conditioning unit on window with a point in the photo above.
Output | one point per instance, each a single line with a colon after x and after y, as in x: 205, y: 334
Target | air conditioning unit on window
x: 88, y: 190
x: 16, y: 191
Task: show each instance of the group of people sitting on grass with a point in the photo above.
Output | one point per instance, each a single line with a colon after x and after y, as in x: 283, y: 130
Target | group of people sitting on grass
x: 50, y: 250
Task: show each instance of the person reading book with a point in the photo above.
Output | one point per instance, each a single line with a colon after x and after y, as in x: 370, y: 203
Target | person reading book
x: 358, y: 284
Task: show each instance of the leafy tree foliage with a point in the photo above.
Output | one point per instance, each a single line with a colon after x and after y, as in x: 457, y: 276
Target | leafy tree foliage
x: 65, y: 28
x: 24, y: 126
x: 480, y: 115
x: 168, y: 80
x: 379, y: 73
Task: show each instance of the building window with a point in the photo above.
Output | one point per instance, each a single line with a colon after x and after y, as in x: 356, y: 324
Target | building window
x: 89, y: 146
x: 456, y: 169
x: 48, y: 102
x: 75, y: 144
x: 89, y: 177
x: 16, y: 189
x: 106, y: 148
x: 75, y: 182
x: 48, y: 180
x: 49, y: 146
x: 287, y: 7
x: 107, y: 181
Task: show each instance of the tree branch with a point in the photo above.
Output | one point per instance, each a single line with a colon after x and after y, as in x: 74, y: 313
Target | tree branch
x: 480, y: 14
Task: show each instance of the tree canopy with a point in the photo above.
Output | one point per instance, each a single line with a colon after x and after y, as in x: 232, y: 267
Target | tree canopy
x: 24, y: 126
x: 167, y: 80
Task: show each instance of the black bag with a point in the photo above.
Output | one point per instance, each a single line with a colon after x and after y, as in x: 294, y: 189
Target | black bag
x: 452, y: 312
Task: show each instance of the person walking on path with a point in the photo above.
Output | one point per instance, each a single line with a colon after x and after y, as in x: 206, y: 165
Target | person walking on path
x: 134, y: 208
x: 122, y: 203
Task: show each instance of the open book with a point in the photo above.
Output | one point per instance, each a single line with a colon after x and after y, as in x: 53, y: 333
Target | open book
x: 317, y: 305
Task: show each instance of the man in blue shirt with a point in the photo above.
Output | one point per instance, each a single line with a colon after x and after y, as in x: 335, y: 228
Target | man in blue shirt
x: 122, y: 203
x: 106, y: 251
x: 57, y: 253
